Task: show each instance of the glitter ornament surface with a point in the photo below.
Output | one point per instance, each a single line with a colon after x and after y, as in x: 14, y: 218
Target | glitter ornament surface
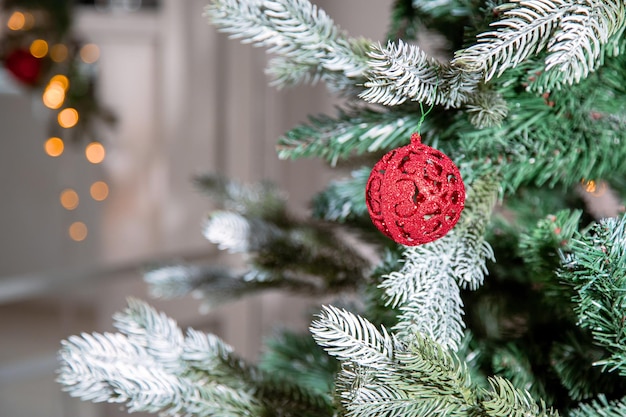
x: 415, y: 194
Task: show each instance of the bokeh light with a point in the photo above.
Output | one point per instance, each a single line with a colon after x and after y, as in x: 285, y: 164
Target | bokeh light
x: 78, y: 231
x: 16, y: 21
x: 90, y: 53
x: 39, y: 48
x: 58, y: 52
x: 69, y: 199
x: 68, y: 117
x: 53, y: 96
x: 95, y: 152
x: 99, y: 190
x: 54, y: 146
x: 60, y: 80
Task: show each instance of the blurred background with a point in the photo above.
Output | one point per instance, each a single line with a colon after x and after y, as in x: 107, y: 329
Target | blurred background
x: 80, y: 219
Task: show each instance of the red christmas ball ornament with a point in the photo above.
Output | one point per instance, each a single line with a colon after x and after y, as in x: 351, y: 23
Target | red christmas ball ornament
x: 24, y: 66
x: 415, y: 194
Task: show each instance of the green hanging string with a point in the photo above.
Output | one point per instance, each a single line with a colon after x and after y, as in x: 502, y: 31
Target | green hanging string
x: 432, y: 105
x: 424, y: 114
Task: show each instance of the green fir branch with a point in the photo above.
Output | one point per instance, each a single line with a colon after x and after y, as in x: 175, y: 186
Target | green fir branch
x: 554, y: 138
x: 343, y: 199
x: 573, y: 361
x: 574, y: 35
x: 596, y: 268
x: 299, y: 358
x: 504, y: 400
x: 380, y: 377
x: 511, y: 362
x: 487, y: 109
x: 351, y: 132
x: 541, y: 246
x: 601, y: 407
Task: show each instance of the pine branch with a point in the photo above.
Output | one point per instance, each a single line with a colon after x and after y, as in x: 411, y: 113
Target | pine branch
x: 217, y: 285
x: 512, y: 362
x: 197, y: 375
x: 540, y: 247
x: 309, y: 44
x: 350, y: 337
x: 578, y: 46
x: 601, y: 408
x: 402, y: 72
x: 426, y: 288
x: 261, y: 200
x: 211, y: 355
x: 573, y: 34
x: 157, y: 333
x: 286, y: 252
x: 596, y: 269
x: 438, y: 372
x: 111, y: 367
x: 213, y: 284
x: 486, y: 109
x: 573, y: 361
x: 343, y: 199
x: 504, y: 400
x: 423, y: 380
x: 427, y: 295
x: 355, y: 131
x: 298, y: 357
x: 237, y: 234
x: 555, y: 138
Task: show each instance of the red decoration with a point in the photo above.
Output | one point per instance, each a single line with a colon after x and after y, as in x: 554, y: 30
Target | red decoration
x: 23, y: 66
x: 415, y: 194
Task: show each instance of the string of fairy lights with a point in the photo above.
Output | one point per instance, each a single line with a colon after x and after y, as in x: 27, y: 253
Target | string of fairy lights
x: 54, y: 97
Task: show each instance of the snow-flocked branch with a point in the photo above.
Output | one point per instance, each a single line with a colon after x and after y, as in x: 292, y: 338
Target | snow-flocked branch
x: 402, y: 72
x: 352, y: 338
x: 150, y: 366
x: 574, y: 36
x: 427, y: 287
x: 308, y: 44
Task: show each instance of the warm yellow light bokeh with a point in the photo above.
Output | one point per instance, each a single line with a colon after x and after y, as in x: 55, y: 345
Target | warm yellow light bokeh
x: 61, y: 81
x: 99, y: 190
x: 69, y: 199
x: 95, y: 152
x: 58, y: 52
x: 39, y: 48
x: 16, y: 21
x: 90, y: 53
x: 54, y: 146
x: 78, y: 231
x: 590, y: 186
x: 53, y: 96
x: 29, y: 21
x: 68, y: 117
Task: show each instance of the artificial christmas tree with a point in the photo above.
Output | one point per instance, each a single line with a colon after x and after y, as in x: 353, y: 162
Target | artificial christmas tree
x: 519, y: 309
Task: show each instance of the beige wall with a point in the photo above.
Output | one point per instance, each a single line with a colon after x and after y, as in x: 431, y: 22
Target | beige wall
x: 189, y: 101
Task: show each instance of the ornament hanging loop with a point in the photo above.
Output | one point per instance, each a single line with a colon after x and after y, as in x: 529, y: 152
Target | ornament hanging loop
x: 425, y: 113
